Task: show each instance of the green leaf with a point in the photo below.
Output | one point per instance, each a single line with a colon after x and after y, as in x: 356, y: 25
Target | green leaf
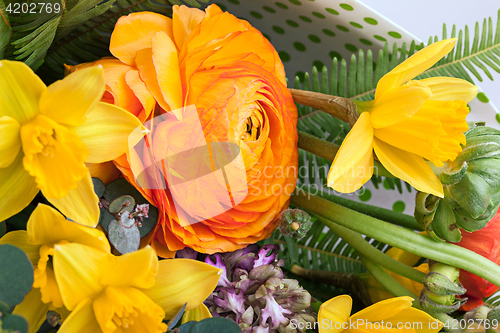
x: 14, y: 323
x: 16, y: 276
x: 99, y: 187
x: 125, y: 202
x: 215, y: 325
x: 178, y: 316
x: 124, y: 239
x: 293, y: 252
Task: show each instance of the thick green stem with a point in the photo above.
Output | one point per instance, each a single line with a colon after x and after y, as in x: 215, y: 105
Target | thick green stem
x: 377, y: 212
x: 400, y: 237
x: 368, y: 251
x: 385, y: 280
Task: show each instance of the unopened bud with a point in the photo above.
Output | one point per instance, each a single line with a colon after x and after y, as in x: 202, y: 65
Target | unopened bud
x: 480, y: 313
x: 441, y: 285
x: 430, y: 306
x: 295, y: 223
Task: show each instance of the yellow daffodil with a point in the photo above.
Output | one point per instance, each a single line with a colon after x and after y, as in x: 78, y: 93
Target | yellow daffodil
x: 407, y: 123
x: 46, y: 228
x: 131, y: 293
x: 46, y: 135
x: 391, y: 315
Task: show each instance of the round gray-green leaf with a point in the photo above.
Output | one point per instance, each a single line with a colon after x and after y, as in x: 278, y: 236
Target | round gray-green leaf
x: 124, y: 239
x: 16, y: 275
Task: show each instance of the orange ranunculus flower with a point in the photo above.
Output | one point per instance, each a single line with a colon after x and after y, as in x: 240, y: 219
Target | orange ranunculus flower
x: 234, y: 77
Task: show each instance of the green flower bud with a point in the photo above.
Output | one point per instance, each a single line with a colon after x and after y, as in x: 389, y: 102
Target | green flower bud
x: 295, y: 223
x: 430, y: 306
x: 441, y: 285
x: 471, y: 185
x: 480, y: 313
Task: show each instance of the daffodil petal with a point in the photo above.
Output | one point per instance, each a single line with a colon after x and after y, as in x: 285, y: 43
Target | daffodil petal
x: 67, y: 101
x: 335, y: 310
x: 46, y: 226
x: 106, y: 132
x: 33, y: 310
x: 17, y: 188
x: 420, y: 321
x: 107, y: 171
x: 19, y: 238
x: 82, y: 319
x: 79, y: 269
x: 414, y: 65
x: 197, y: 314
x: 383, y: 309
x: 450, y: 89
x: 10, y: 140
x: 133, y: 33
x: 180, y: 281
x: 398, y: 104
x: 184, y: 20
x: 166, y: 62
x: 408, y: 167
x: 144, y: 264
x: 81, y: 204
x: 20, y: 91
x: 353, y: 164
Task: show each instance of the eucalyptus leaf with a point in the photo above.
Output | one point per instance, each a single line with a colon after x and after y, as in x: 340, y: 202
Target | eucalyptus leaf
x: 124, y: 240
x: 16, y: 278
x: 105, y: 218
x: 215, y: 325
x: 14, y: 323
x: 120, y: 204
x: 99, y: 187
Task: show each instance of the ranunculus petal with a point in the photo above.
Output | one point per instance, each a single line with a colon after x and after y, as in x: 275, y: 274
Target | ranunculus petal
x: 450, y: 89
x: 82, y: 319
x: 81, y: 204
x: 46, y: 226
x: 106, y: 132
x: 10, y: 140
x: 17, y: 188
x: 353, y: 164
x: 145, y: 266
x: 106, y: 172
x: 67, y: 101
x: 78, y: 270
x: 33, y: 310
x: 335, y: 310
x: 398, y: 104
x: 20, y: 91
x: 141, y: 92
x: 408, y: 167
x: 133, y: 33
x: 184, y: 21
x: 197, y: 314
x: 414, y: 65
x: 165, y: 58
x: 19, y: 238
x: 180, y: 281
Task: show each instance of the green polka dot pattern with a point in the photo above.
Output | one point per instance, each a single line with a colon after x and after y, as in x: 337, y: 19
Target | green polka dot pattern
x: 399, y: 206
x: 332, y: 11
x: 284, y: 56
x: 256, y: 15
x: 497, y: 117
x: 365, y: 41
x: 380, y: 38
x: 292, y: 23
x: 346, y: 7
x: 305, y: 19
x: 370, y: 20
x: 482, y: 97
x: 278, y: 30
x: 318, y: 15
x: 365, y: 195
x: 295, y: 2
x: 394, y: 34
x: 328, y: 32
x: 269, y: 9
x: 356, y: 25
x: 281, y: 5
x: 342, y: 28
x: 299, y: 46
x: 314, y: 38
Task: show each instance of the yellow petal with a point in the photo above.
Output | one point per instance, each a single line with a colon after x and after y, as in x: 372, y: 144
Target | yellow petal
x: 182, y: 280
x: 133, y: 33
x: 128, y: 310
x: 166, y: 62
x: 184, y: 21
x: 46, y: 226
x: 197, y: 314
x: 79, y: 269
x: 383, y: 309
x: 45, y: 278
x: 408, y: 167
x: 450, y: 89
x: 54, y: 155
x: 335, y: 310
x: 33, y: 310
x: 20, y: 91
x: 81, y: 204
x: 17, y: 188
x: 19, y: 238
x: 67, y: 101
x: 82, y: 319
x: 419, y: 320
x: 353, y: 164
x: 106, y: 132
x: 414, y: 65
x: 107, y: 171
x: 10, y: 140
x: 135, y: 269
x: 398, y: 104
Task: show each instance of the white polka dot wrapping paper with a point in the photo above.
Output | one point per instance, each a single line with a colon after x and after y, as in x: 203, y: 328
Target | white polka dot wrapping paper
x: 309, y: 33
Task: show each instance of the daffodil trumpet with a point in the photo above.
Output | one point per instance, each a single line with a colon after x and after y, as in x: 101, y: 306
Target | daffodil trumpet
x: 48, y: 133
x: 396, y: 236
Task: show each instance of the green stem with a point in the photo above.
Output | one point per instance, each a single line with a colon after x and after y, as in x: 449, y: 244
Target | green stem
x: 385, y: 280
x: 400, y: 237
x: 377, y: 212
x: 368, y: 251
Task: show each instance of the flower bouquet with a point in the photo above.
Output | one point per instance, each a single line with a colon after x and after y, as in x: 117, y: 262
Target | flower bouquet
x: 158, y: 173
